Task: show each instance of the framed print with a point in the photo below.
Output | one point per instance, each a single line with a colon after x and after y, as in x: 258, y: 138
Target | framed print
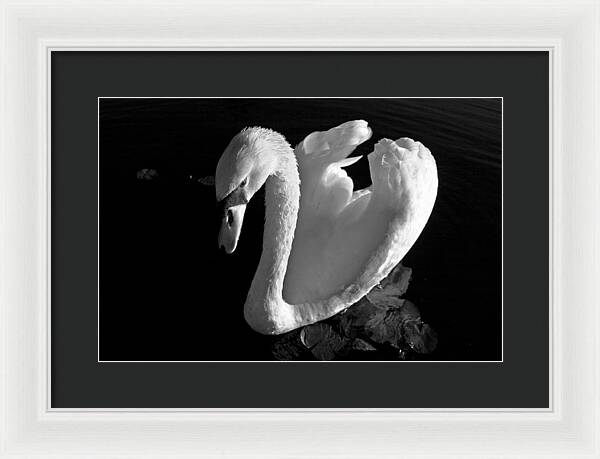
x: 316, y: 240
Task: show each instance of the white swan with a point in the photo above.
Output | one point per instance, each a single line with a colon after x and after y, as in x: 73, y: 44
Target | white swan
x: 324, y: 246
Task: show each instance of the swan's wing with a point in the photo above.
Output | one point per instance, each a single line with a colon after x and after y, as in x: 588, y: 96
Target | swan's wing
x: 325, y: 187
x: 404, y: 190
x: 340, y: 254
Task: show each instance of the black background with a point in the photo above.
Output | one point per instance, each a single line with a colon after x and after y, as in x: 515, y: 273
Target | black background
x: 162, y: 274
x: 78, y: 380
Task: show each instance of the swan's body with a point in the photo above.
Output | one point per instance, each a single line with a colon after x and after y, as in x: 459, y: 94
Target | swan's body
x: 325, y: 246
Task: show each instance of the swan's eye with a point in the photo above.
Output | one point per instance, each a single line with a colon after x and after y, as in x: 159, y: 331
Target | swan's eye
x: 244, y: 182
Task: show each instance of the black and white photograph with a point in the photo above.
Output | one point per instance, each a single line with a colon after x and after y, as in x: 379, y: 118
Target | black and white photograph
x: 300, y: 229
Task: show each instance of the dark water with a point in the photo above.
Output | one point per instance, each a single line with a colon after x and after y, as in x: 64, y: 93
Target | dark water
x: 168, y: 293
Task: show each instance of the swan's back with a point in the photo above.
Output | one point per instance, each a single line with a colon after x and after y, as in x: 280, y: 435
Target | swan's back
x: 346, y: 237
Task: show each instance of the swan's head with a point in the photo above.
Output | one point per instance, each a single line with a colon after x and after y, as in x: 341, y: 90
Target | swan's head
x: 244, y: 167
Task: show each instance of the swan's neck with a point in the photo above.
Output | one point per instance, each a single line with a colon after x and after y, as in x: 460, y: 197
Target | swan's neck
x: 282, y: 200
x: 266, y: 311
x: 265, y: 302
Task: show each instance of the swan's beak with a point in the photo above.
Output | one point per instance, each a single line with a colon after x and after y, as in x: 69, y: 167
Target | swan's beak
x: 231, y: 226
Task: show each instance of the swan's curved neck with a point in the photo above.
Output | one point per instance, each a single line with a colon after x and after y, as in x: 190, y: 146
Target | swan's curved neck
x: 282, y: 200
x: 265, y: 309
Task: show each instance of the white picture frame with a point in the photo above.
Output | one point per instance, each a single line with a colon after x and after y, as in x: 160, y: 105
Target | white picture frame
x: 568, y: 29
